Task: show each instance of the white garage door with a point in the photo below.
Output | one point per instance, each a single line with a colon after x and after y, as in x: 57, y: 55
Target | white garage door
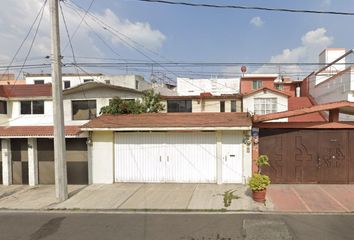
x: 165, y: 157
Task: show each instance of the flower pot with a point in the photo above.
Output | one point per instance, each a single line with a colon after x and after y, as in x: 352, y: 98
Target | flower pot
x: 259, y: 196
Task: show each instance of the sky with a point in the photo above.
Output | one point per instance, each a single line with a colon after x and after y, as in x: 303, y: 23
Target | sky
x: 155, y: 32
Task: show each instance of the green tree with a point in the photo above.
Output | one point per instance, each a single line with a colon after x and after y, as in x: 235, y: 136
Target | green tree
x: 151, y: 103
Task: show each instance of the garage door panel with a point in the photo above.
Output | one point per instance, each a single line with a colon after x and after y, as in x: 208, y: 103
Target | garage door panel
x: 191, y: 157
x: 138, y: 157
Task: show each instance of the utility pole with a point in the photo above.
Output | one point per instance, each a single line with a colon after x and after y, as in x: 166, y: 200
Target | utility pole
x: 61, y: 188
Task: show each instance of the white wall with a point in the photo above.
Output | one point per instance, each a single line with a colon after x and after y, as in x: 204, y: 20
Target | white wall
x: 103, y: 157
x: 217, y: 86
x: 128, y: 81
x: 282, y: 102
x: 74, y: 80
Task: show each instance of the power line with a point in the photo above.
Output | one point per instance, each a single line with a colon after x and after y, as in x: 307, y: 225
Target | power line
x: 24, y: 40
x: 205, y: 5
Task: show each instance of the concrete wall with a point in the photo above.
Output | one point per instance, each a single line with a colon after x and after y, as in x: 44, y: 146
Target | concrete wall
x: 217, y: 86
x: 128, y: 81
x: 102, y: 157
x: 74, y: 80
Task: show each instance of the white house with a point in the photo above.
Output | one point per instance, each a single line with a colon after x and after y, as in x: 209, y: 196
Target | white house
x: 136, y: 82
x: 215, y: 86
x: 171, y: 147
x: 26, y: 130
x: 334, y: 81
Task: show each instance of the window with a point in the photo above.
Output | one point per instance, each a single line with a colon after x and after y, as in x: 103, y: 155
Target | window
x: 222, y: 106
x: 67, y: 84
x: 233, y: 106
x: 107, y: 81
x: 3, y: 107
x: 136, y: 84
x: 179, y: 105
x: 32, y: 107
x: 83, y: 109
x: 256, y: 84
x: 38, y: 81
x: 88, y: 80
x: 265, y: 105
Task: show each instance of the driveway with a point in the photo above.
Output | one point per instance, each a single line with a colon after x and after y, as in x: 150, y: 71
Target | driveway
x: 312, y: 197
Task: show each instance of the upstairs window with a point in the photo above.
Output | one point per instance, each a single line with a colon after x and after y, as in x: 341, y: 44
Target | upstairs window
x: 136, y: 84
x: 38, y: 81
x: 256, y: 84
x: 32, y: 107
x: 233, y: 106
x: 107, y: 81
x: 88, y: 80
x: 279, y: 86
x: 179, y: 105
x: 3, y: 107
x: 83, y: 109
x: 265, y: 105
x: 222, y: 106
x: 67, y: 84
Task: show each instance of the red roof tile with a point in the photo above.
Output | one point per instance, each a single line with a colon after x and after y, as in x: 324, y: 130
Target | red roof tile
x: 166, y: 120
x: 34, y: 131
x: 26, y: 90
x: 268, y: 89
x: 343, y: 106
x: 295, y: 103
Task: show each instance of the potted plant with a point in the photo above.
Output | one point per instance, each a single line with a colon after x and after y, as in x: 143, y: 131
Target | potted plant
x: 259, y: 182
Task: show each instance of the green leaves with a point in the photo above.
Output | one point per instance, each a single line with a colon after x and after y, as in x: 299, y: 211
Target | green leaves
x: 151, y: 103
x: 258, y: 182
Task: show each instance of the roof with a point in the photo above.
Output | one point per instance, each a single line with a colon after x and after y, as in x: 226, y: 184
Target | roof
x: 94, y: 84
x: 343, y: 107
x: 36, y: 131
x: 204, y: 96
x: 26, y: 90
x: 267, y: 89
x: 295, y: 103
x: 305, y: 125
x: 63, y: 74
x: 169, y: 121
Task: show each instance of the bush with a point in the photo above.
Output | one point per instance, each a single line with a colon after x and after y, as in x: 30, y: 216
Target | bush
x: 258, y: 182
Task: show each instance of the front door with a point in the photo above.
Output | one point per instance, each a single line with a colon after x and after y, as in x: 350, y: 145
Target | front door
x: 332, y: 160
x: 231, y: 157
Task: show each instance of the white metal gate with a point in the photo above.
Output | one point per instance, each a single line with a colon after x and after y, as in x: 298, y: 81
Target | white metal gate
x: 165, y: 157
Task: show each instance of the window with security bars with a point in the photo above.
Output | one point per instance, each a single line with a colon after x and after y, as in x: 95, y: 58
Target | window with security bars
x: 265, y: 105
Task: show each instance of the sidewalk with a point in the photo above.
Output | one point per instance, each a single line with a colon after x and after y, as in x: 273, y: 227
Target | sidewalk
x: 132, y: 197
x: 181, y: 197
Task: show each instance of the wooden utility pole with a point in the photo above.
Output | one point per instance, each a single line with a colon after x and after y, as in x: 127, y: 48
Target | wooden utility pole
x: 61, y: 188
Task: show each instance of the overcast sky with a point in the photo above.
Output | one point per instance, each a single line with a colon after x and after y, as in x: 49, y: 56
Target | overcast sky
x: 180, y: 33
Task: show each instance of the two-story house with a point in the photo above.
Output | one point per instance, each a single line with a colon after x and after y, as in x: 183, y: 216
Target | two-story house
x: 26, y: 129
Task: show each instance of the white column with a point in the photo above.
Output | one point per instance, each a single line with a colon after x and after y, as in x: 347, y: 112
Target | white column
x: 89, y: 158
x: 32, y: 162
x: 218, y: 157
x: 6, y: 162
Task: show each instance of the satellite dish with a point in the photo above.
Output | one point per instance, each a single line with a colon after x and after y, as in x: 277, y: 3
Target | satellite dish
x: 243, y: 69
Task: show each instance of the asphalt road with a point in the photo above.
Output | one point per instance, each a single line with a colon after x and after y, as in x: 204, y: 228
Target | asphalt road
x: 101, y: 226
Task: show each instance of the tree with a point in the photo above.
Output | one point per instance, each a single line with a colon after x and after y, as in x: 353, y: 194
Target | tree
x: 151, y: 103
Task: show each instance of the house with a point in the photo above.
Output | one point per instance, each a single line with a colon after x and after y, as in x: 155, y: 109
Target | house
x: 215, y: 86
x: 310, y: 149
x: 179, y: 147
x: 10, y: 79
x: 205, y: 102
x: 136, y: 82
x: 26, y: 129
x: 333, y: 81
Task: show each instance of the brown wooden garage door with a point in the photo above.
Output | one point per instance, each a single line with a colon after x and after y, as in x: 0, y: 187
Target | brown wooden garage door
x: 76, y: 157
x: 308, y: 156
x: 19, y: 157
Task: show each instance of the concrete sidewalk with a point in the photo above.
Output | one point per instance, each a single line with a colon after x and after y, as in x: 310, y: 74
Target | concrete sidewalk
x: 130, y: 196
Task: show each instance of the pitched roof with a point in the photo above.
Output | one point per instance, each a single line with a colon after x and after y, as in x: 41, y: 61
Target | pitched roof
x: 169, y: 120
x: 26, y: 90
x: 36, y: 131
x: 343, y: 106
x: 295, y: 103
x: 267, y: 89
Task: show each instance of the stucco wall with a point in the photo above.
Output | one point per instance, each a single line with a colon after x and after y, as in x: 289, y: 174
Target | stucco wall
x: 102, y: 157
x: 210, y: 105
